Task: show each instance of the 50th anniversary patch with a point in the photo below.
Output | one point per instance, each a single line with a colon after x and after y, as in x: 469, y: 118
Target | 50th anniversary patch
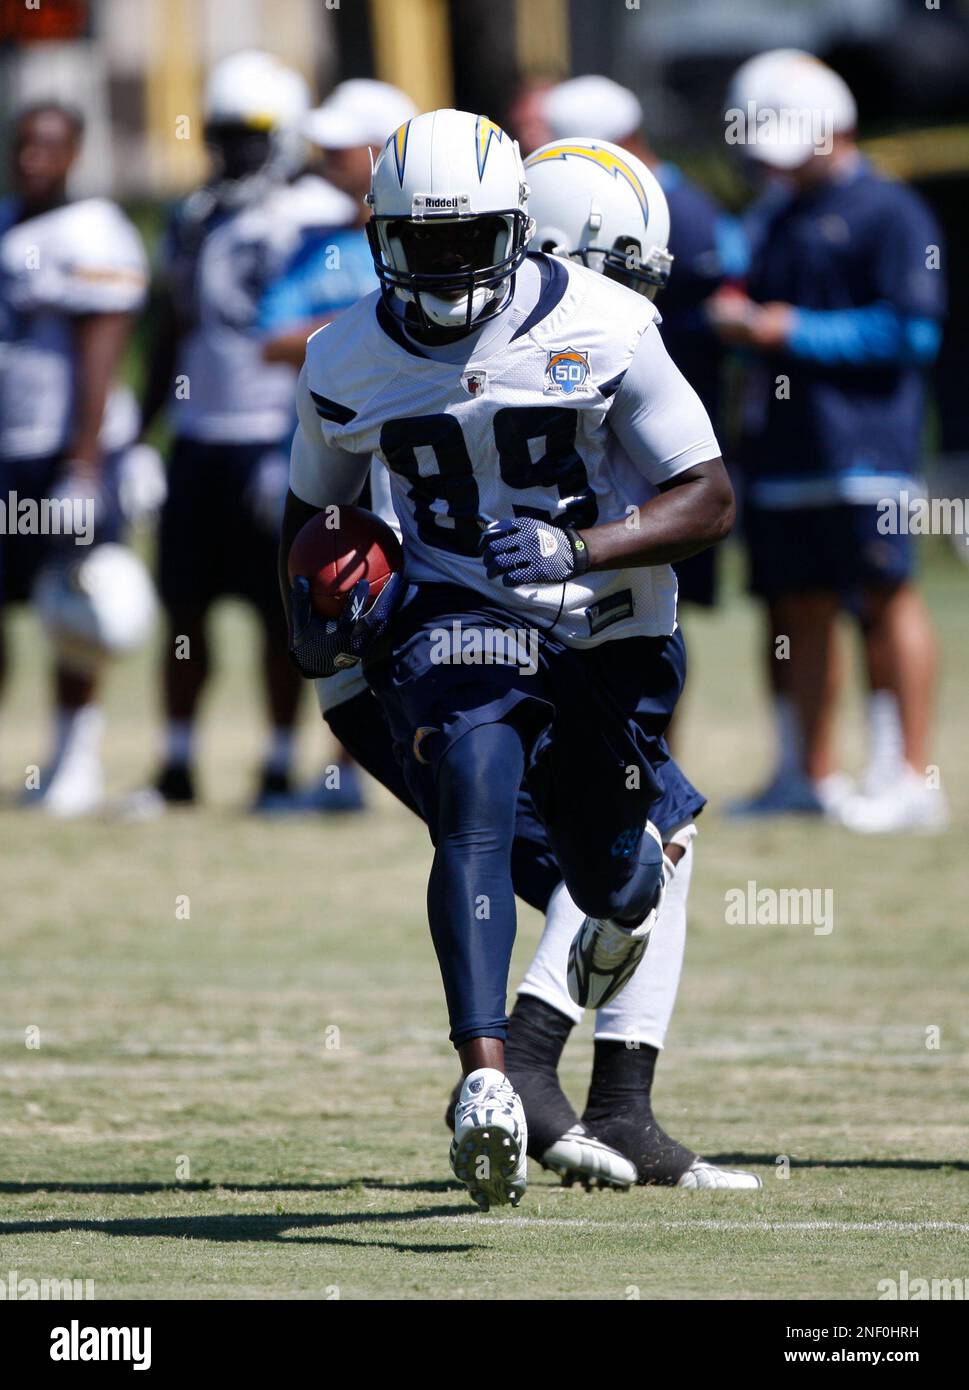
x: 567, y: 372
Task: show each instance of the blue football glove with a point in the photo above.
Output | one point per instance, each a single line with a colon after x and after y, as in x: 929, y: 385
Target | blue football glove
x: 321, y: 646
x: 524, y: 550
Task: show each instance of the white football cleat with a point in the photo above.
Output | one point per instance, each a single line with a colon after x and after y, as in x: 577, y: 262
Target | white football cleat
x: 604, y: 955
x: 579, y: 1157
x: 703, y: 1174
x: 905, y: 804
x: 603, y: 958
x: 490, y: 1139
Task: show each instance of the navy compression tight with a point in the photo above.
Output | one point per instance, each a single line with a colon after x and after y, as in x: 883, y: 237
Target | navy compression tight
x: 470, y: 895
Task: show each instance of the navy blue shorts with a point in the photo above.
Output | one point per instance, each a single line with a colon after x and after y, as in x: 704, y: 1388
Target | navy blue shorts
x: 592, y: 720
x: 837, y: 548
x: 216, y: 538
x: 23, y: 556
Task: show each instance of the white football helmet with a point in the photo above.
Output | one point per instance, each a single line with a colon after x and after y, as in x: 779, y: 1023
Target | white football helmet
x: 255, y: 89
x: 102, y: 605
x: 450, y: 222
x: 254, y: 106
x: 595, y: 203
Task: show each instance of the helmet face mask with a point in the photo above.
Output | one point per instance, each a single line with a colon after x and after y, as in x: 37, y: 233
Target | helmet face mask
x: 624, y: 262
x: 461, y: 261
x: 449, y: 225
x: 449, y: 248
x: 240, y: 150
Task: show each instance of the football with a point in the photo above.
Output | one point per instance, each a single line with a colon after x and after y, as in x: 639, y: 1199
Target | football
x: 336, y: 549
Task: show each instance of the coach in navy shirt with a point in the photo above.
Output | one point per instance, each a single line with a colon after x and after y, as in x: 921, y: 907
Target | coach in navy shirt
x: 846, y: 297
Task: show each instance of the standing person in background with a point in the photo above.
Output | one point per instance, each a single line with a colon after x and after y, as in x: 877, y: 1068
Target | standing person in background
x: 231, y: 413
x: 846, y: 297
x: 704, y: 245
x: 72, y: 274
x: 331, y: 268
x: 525, y: 118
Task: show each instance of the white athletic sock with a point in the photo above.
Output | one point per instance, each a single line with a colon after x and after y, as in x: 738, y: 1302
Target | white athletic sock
x: 74, y: 783
x: 77, y: 734
x: 280, y: 754
x: 886, y: 759
x: 641, y: 1012
x: 179, y: 740
x: 790, y: 744
x: 545, y: 978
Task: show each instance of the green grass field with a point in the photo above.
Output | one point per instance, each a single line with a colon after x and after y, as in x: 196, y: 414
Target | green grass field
x: 249, y: 1103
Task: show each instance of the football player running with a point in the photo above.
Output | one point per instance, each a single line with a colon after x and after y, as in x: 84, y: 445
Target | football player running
x: 593, y: 202
x: 497, y: 389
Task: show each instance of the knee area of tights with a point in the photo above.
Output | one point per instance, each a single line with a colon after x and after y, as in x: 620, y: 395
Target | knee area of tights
x: 630, y: 903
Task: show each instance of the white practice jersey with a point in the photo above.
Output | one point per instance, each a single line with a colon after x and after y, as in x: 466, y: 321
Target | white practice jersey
x: 81, y: 258
x: 219, y: 263
x: 565, y: 407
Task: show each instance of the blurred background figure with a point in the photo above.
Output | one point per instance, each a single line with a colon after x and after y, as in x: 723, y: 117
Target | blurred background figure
x: 846, y: 294
x: 72, y: 274
x: 703, y: 241
x: 230, y: 412
x: 526, y: 117
x: 331, y: 269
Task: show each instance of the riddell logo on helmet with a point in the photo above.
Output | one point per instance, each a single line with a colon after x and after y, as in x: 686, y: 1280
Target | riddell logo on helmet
x: 440, y: 202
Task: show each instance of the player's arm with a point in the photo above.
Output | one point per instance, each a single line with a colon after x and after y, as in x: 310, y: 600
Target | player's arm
x: 320, y: 475
x: 664, y: 428
x: 99, y: 340
x: 289, y: 312
x: 693, y: 511
x: 162, y: 355
x: 296, y: 513
x: 666, y: 432
x: 290, y: 344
